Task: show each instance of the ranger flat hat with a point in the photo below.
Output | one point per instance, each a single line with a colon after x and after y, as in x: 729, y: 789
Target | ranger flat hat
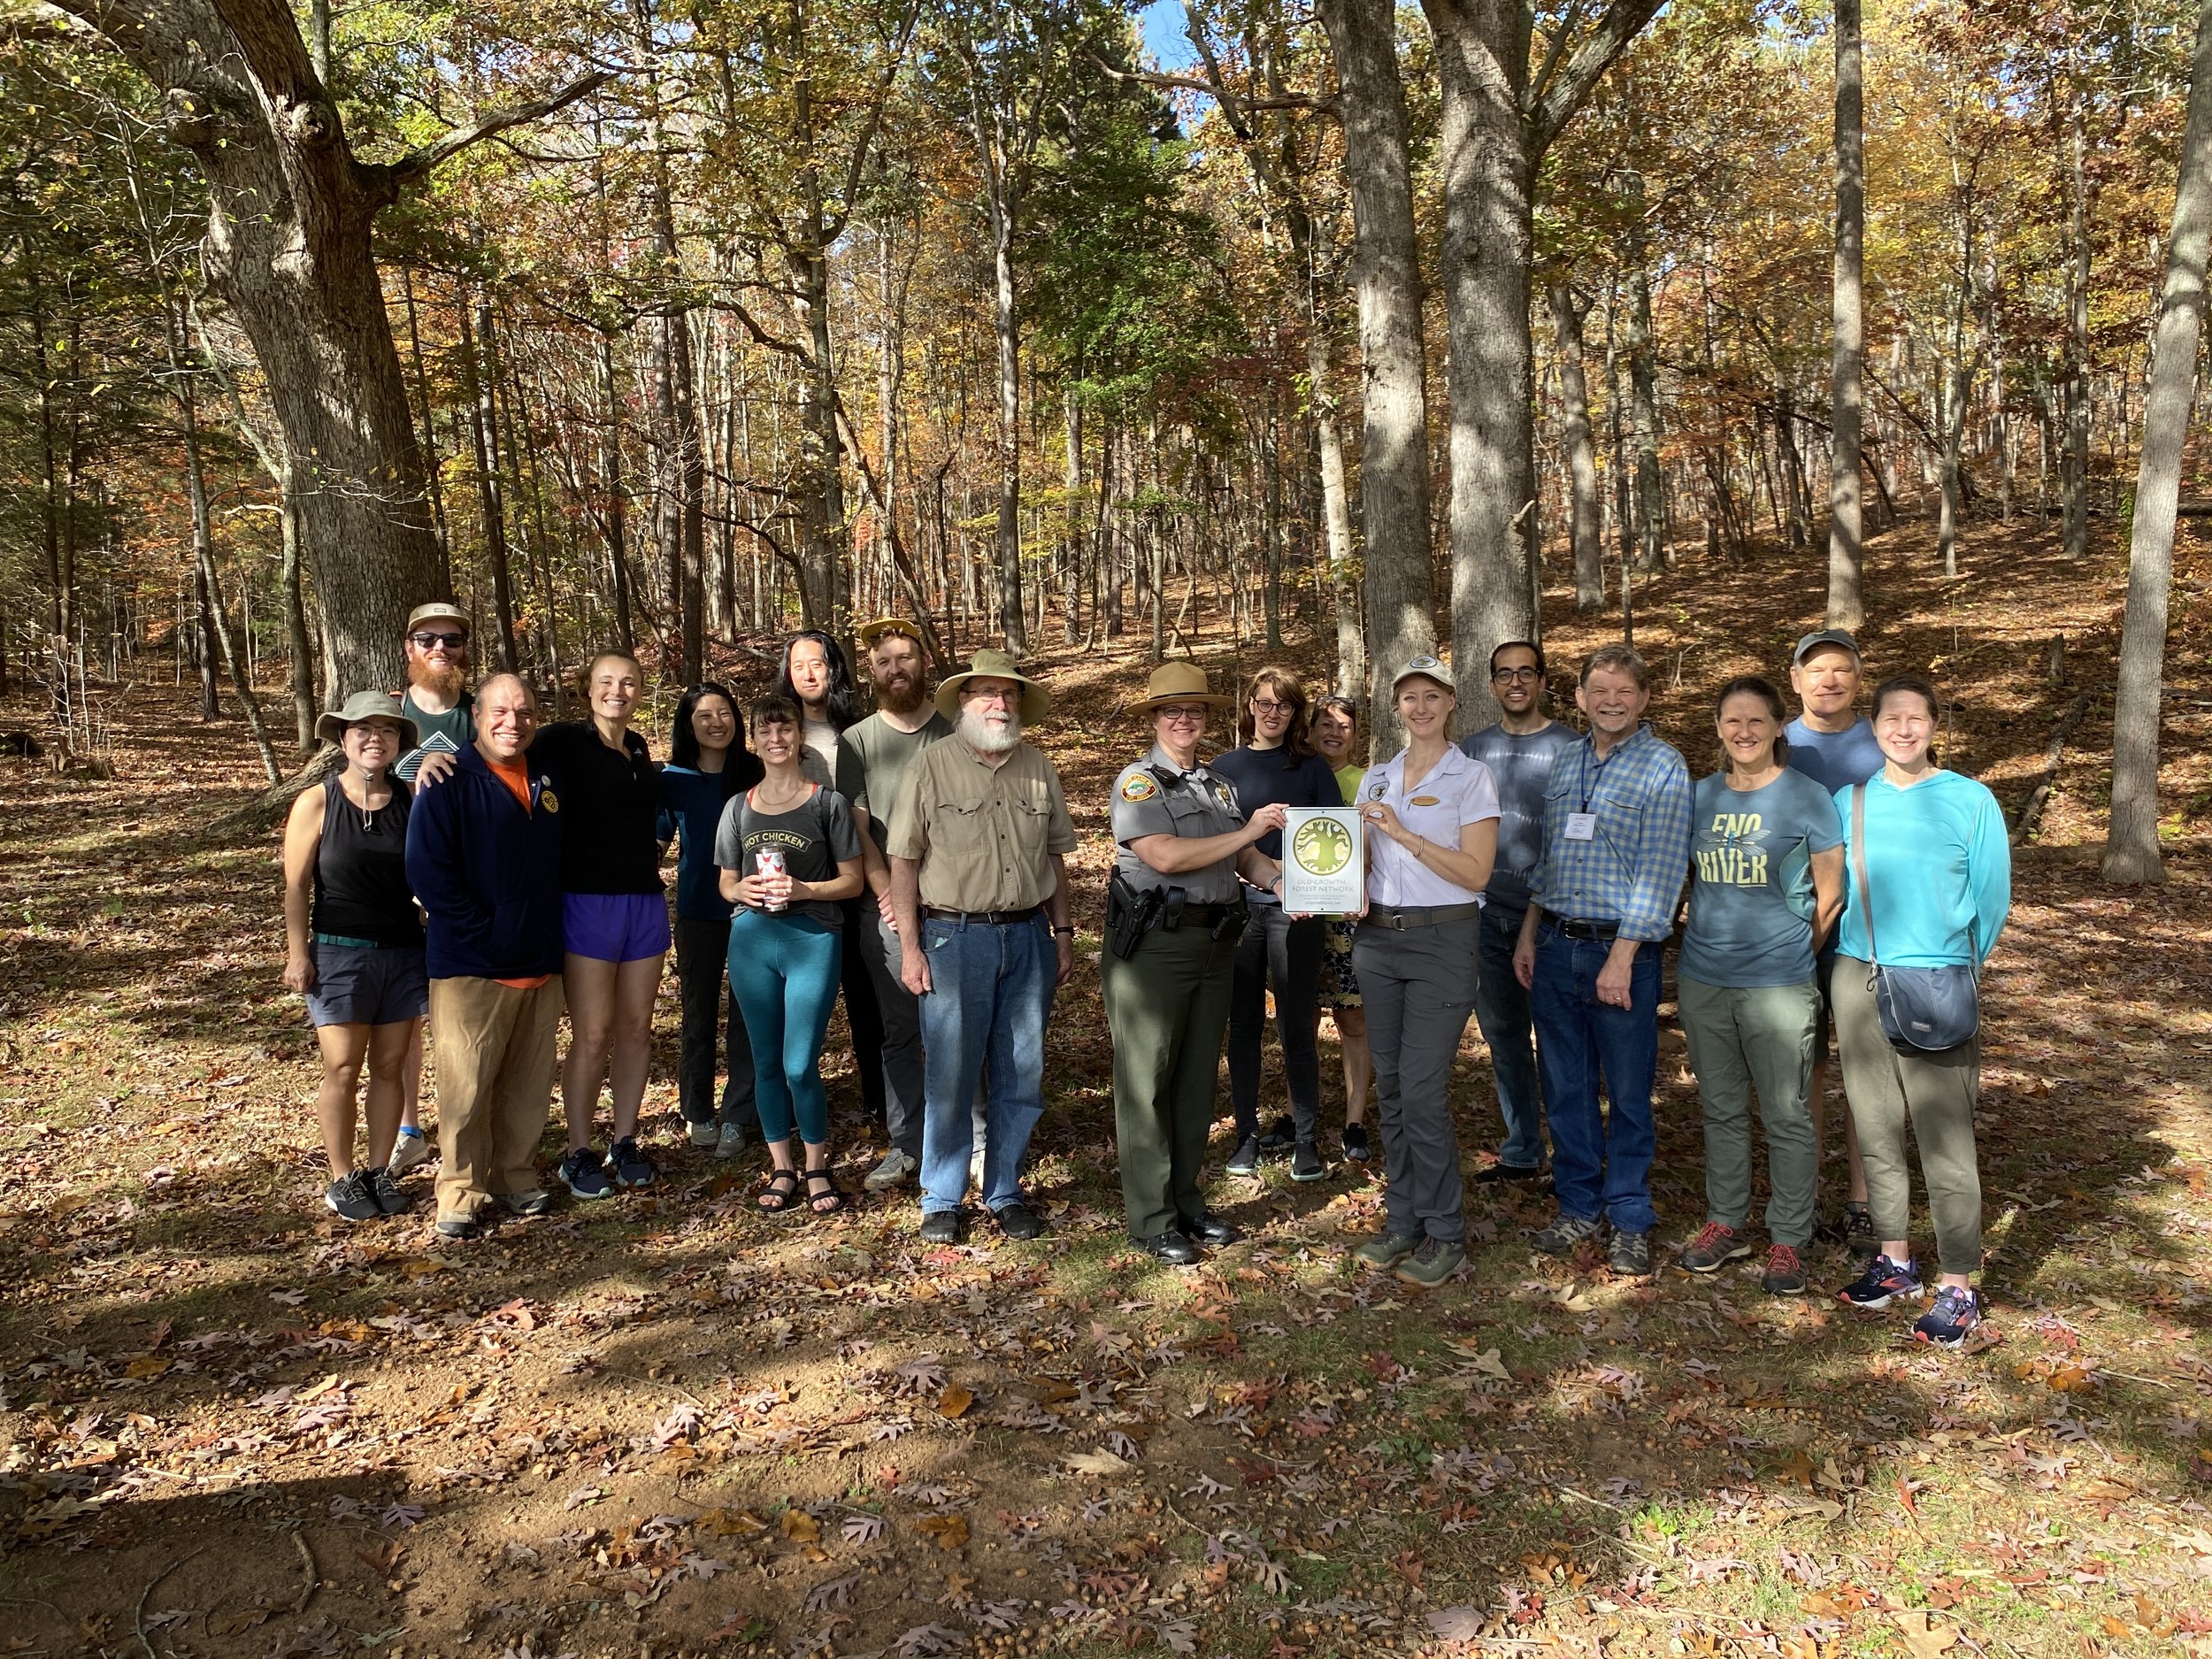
x: 1036, y: 700
x: 1178, y: 682
x: 364, y: 705
x: 438, y: 611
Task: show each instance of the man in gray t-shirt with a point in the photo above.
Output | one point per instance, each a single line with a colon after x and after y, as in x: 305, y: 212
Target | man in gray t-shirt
x: 1518, y: 750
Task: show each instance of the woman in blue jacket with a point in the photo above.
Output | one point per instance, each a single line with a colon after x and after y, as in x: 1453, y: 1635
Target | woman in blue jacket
x: 1934, y: 852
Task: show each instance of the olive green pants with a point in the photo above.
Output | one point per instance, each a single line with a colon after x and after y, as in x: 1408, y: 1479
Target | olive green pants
x: 1755, y: 1038
x: 1939, y: 1092
x: 1167, y: 1008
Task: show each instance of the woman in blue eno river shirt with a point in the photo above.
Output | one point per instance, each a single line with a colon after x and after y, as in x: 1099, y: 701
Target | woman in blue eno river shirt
x: 1432, y: 836
x: 1766, y: 880
x: 1939, y: 865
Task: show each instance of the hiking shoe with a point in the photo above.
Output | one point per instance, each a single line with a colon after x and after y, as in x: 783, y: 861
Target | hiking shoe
x: 705, y: 1135
x: 1281, y: 1135
x: 411, y: 1150
x: 1433, y: 1263
x: 352, y: 1197
x: 1629, y: 1253
x: 729, y: 1141
x: 387, y: 1193
x: 1566, y: 1233
x: 1785, y: 1275
x: 459, y: 1226
x: 1957, y: 1310
x: 1501, y: 1172
x: 1306, y: 1165
x: 941, y: 1226
x: 1385, y: 1249
x: 536, y: 1201
x: 583, y: 1175
x: 630, y: 1167
x: 1018, y: 1221
x: 1883, y: 1283
x: 1355, y: 1147
x: 896, y: 1170
x: 1858, y: 1231
x: 1714, y: 1247
x: 1246, y: 1159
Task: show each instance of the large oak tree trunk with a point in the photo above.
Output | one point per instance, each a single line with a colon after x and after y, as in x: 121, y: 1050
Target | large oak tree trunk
x: 2131, y: 851
x: 1394, y: 450
x: 1846, y: 594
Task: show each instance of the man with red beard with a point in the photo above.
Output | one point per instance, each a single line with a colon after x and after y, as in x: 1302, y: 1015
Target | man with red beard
x: 437, y: 695
x: 873, y: 759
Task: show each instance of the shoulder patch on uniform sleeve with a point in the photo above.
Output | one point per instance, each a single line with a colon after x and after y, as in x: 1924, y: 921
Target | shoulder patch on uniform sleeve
x: 1138, y: 786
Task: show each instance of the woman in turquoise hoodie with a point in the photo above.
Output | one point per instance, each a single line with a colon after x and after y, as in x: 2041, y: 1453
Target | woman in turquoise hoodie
x: 1937, y: 858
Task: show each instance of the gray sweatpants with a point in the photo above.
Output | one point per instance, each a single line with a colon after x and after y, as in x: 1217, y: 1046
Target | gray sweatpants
x: 1938, y: 1091
x: 1419, y: 988
x: 1755, y: 1038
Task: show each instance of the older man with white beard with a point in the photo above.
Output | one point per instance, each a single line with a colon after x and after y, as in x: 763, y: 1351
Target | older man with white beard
x: 979, y: 844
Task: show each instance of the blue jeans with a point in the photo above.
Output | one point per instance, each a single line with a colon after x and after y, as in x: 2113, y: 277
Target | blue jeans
x: 990, y: 992
x: 1600, y: 1165
x: 1501, y: 1009
x: 783, y: 971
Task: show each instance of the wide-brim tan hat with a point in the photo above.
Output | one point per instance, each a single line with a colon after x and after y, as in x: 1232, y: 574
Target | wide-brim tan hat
x: 365, y: 705
x: 1036, y: 700
x: 1179, y: 682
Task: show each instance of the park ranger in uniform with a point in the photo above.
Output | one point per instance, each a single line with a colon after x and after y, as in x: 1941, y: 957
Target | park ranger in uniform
x: 1174, y: 913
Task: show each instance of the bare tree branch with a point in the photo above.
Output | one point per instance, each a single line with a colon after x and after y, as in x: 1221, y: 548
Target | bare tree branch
x: 1552, y: 103
x: 421, y: 160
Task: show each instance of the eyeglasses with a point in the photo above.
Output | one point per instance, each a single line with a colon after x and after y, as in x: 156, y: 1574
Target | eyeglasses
x: 452, y: 641
x: 1506, y: 676
x: 1001, y: 694
x: 1272, y: 707
x: 1183, y: 711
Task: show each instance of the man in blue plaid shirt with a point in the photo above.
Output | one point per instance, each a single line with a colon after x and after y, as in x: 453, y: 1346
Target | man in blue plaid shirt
x: 1617, y: 849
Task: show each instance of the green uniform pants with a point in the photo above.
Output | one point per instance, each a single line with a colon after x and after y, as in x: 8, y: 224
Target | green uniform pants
x: 1167, y: 1008
x: 1746, y: 1038
x: 1939, y: 1092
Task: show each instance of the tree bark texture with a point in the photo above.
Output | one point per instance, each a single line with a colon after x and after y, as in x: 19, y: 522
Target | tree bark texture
x: 1387, y: 271
x: 2132, y: 852
x: 1847, y: 592
x: 1582, y: 460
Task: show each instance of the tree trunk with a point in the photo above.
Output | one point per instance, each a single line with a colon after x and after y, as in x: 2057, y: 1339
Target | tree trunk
x: 1643, y: 393
x: 306, y: 702
x: 480, y: 347
x: 2132, y: 852
x: 1395, y: 451
x: 1006, y: 325
x: 1582, y: 461
x: 611, y: 481
x: 2074, y: 464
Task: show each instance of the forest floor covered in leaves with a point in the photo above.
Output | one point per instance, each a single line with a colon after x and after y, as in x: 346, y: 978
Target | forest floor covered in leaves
x: 668, y: 1424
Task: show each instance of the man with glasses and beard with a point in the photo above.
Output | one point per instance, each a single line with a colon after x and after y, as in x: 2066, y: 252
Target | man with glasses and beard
x: 437, y: 695
x: 979, y: 844
x: 875, y: 759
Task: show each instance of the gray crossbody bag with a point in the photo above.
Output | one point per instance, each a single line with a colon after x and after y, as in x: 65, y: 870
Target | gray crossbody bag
x: 1925, y: 1011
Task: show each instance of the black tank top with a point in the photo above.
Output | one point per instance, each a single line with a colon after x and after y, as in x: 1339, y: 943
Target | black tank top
x: 361, y: 889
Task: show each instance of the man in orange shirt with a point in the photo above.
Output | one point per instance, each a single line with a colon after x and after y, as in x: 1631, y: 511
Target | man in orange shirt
x: 484, y: 856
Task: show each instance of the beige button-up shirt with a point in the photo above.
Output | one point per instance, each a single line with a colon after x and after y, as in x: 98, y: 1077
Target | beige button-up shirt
x: 984, y: 836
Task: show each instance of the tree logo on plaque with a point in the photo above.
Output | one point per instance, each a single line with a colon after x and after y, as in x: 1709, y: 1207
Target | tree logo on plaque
x: 1322, y: 846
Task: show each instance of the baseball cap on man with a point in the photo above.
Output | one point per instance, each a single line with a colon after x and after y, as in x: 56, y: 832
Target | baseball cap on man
x: 1819, y: 637
x: 438, y: 611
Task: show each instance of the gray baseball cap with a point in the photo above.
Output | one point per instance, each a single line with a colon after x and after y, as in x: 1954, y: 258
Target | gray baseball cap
x: 1819, y: 637
x: 1427, y: 668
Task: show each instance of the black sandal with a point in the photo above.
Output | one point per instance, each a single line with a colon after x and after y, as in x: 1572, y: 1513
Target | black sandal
x: 781, y: 1192
x: 836, y: 1194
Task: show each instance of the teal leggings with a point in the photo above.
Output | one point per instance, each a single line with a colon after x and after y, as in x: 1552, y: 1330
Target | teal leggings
x: 783, y: 972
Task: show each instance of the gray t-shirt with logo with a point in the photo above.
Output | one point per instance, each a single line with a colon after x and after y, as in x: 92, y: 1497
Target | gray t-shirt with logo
x: 1522, y: 767
x: 1751, y: 880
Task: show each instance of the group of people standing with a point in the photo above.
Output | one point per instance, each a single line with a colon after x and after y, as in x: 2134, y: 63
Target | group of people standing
x: 913, y: 860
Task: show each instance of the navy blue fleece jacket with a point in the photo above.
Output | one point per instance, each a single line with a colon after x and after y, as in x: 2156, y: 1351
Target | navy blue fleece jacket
x: 488, y: 874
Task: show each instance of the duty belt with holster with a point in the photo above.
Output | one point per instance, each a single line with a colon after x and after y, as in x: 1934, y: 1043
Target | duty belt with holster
x: 1132, y: 912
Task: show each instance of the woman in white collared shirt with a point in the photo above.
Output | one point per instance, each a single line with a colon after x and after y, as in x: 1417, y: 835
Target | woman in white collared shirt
x: 1432, y: 821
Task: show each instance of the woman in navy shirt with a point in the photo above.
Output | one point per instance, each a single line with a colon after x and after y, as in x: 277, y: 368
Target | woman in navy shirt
x: 1277, y: 763
x: 707, y: 763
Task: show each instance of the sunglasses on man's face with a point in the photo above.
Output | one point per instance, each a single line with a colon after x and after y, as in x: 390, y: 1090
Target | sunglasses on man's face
x: 451, y: 641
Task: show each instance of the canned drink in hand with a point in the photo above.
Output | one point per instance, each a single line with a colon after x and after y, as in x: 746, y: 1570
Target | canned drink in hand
x: 769, y: 862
